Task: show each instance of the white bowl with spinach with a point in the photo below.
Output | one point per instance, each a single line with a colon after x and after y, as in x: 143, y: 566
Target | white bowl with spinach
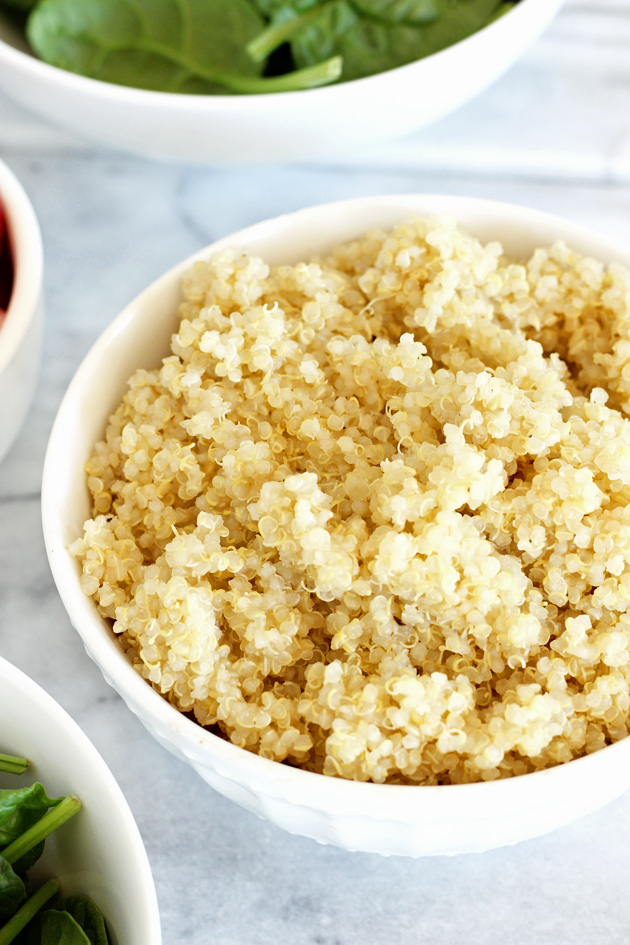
x: 97, y: 852
x: 246, y: 81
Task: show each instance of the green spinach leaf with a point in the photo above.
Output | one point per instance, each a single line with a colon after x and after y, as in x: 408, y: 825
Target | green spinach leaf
x: 12, y: 890
x: 20, y: 809
x: 399, y: 11
x: 59, y: 928
x: 168, y: 45
x: 503, y: 8
x: 283, y: 9
x: 368, y: 46
x: 320, y: 32
x: 87, y: 915
x: 456, y: 20
x: 189, y: 46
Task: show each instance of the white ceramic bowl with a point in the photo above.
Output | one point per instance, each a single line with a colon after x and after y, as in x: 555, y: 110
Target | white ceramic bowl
x: 309, y: 125
x: 22, y: 327
x: 386, y: 819
x: 99, y: 852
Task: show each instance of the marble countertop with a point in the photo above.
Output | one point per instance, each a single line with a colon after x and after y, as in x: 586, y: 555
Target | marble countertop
x: 554, y: 133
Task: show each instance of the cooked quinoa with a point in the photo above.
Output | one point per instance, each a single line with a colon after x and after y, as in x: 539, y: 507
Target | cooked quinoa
x: 371, y: 516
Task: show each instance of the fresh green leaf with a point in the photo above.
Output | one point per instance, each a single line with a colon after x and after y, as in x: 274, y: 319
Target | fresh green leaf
x: 20, y: 809
x: 12, y: 890
x: 316, y: 37
x: 59, y: 928
x: 87, y: 915
x: 399, y: 11
x: 166, y: 45
x: 368, y: 46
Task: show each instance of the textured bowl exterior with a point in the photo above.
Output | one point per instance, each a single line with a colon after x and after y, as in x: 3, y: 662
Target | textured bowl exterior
x: 290, y: 126
x: 100, y: 851
x: 386, y: 819
x: 21, y: 329
x: 407, y: 820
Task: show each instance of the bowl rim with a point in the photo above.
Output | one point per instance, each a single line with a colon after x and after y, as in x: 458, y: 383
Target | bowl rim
x: 101, y: 643
x: 242, y: 102
x: 41, y: 699
x: 25, y: 241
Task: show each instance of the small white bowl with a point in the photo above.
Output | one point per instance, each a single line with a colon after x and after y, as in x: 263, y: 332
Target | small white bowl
x: 387, y: 819
x: 289, y: 126
x: 99, y: 852
x: 22, y: 327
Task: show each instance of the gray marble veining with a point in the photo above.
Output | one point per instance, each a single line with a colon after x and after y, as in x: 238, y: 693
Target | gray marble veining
x: 554, y: 134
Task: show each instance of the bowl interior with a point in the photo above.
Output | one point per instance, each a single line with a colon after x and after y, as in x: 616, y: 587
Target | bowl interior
x: 99, y: 852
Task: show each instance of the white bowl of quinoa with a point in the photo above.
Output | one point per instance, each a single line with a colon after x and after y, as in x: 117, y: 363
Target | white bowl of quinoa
x: 339, y: 507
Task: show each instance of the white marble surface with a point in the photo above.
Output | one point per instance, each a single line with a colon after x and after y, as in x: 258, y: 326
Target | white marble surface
x: 554, y: 134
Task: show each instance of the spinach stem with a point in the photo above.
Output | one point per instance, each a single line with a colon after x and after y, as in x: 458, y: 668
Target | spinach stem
x: 322, y: 73
x: 310, y: 77
x: 276, y: 34
x: 13, y: 765
x: 26, y: 912
x: 54, y: 818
